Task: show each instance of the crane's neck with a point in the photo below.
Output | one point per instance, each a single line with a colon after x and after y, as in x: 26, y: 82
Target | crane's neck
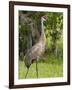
x: 43, y: 38
x: 42, y: 26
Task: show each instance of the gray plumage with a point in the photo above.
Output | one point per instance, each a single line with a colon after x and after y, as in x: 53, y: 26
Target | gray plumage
x: 38, y: 49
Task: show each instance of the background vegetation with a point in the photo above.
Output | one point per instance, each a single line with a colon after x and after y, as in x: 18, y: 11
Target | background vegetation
x: 51, y: 63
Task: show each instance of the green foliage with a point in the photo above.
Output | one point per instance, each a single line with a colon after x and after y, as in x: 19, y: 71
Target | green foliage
x: 54, y: 25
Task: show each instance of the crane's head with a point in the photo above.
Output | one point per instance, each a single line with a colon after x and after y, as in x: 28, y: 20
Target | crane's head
x: 44, y: 18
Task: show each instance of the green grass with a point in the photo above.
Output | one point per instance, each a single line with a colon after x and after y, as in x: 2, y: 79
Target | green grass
x: 51, y: 66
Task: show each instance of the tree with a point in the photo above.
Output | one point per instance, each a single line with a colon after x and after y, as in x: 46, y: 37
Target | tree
x: 54, y: 26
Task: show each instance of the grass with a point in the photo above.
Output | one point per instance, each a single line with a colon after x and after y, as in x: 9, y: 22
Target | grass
x: 51, y: 66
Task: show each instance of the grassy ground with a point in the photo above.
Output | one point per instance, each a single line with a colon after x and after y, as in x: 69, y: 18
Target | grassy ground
x: 49, y: 67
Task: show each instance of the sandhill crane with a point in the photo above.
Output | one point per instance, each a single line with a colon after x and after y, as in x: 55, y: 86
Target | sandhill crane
x: 37, y: 50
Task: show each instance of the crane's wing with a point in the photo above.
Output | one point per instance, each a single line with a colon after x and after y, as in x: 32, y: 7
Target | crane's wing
x: 34, y: 52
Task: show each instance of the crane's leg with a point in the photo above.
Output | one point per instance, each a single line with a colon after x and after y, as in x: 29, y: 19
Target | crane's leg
x: 37, y: 68
x: 27, y: 72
